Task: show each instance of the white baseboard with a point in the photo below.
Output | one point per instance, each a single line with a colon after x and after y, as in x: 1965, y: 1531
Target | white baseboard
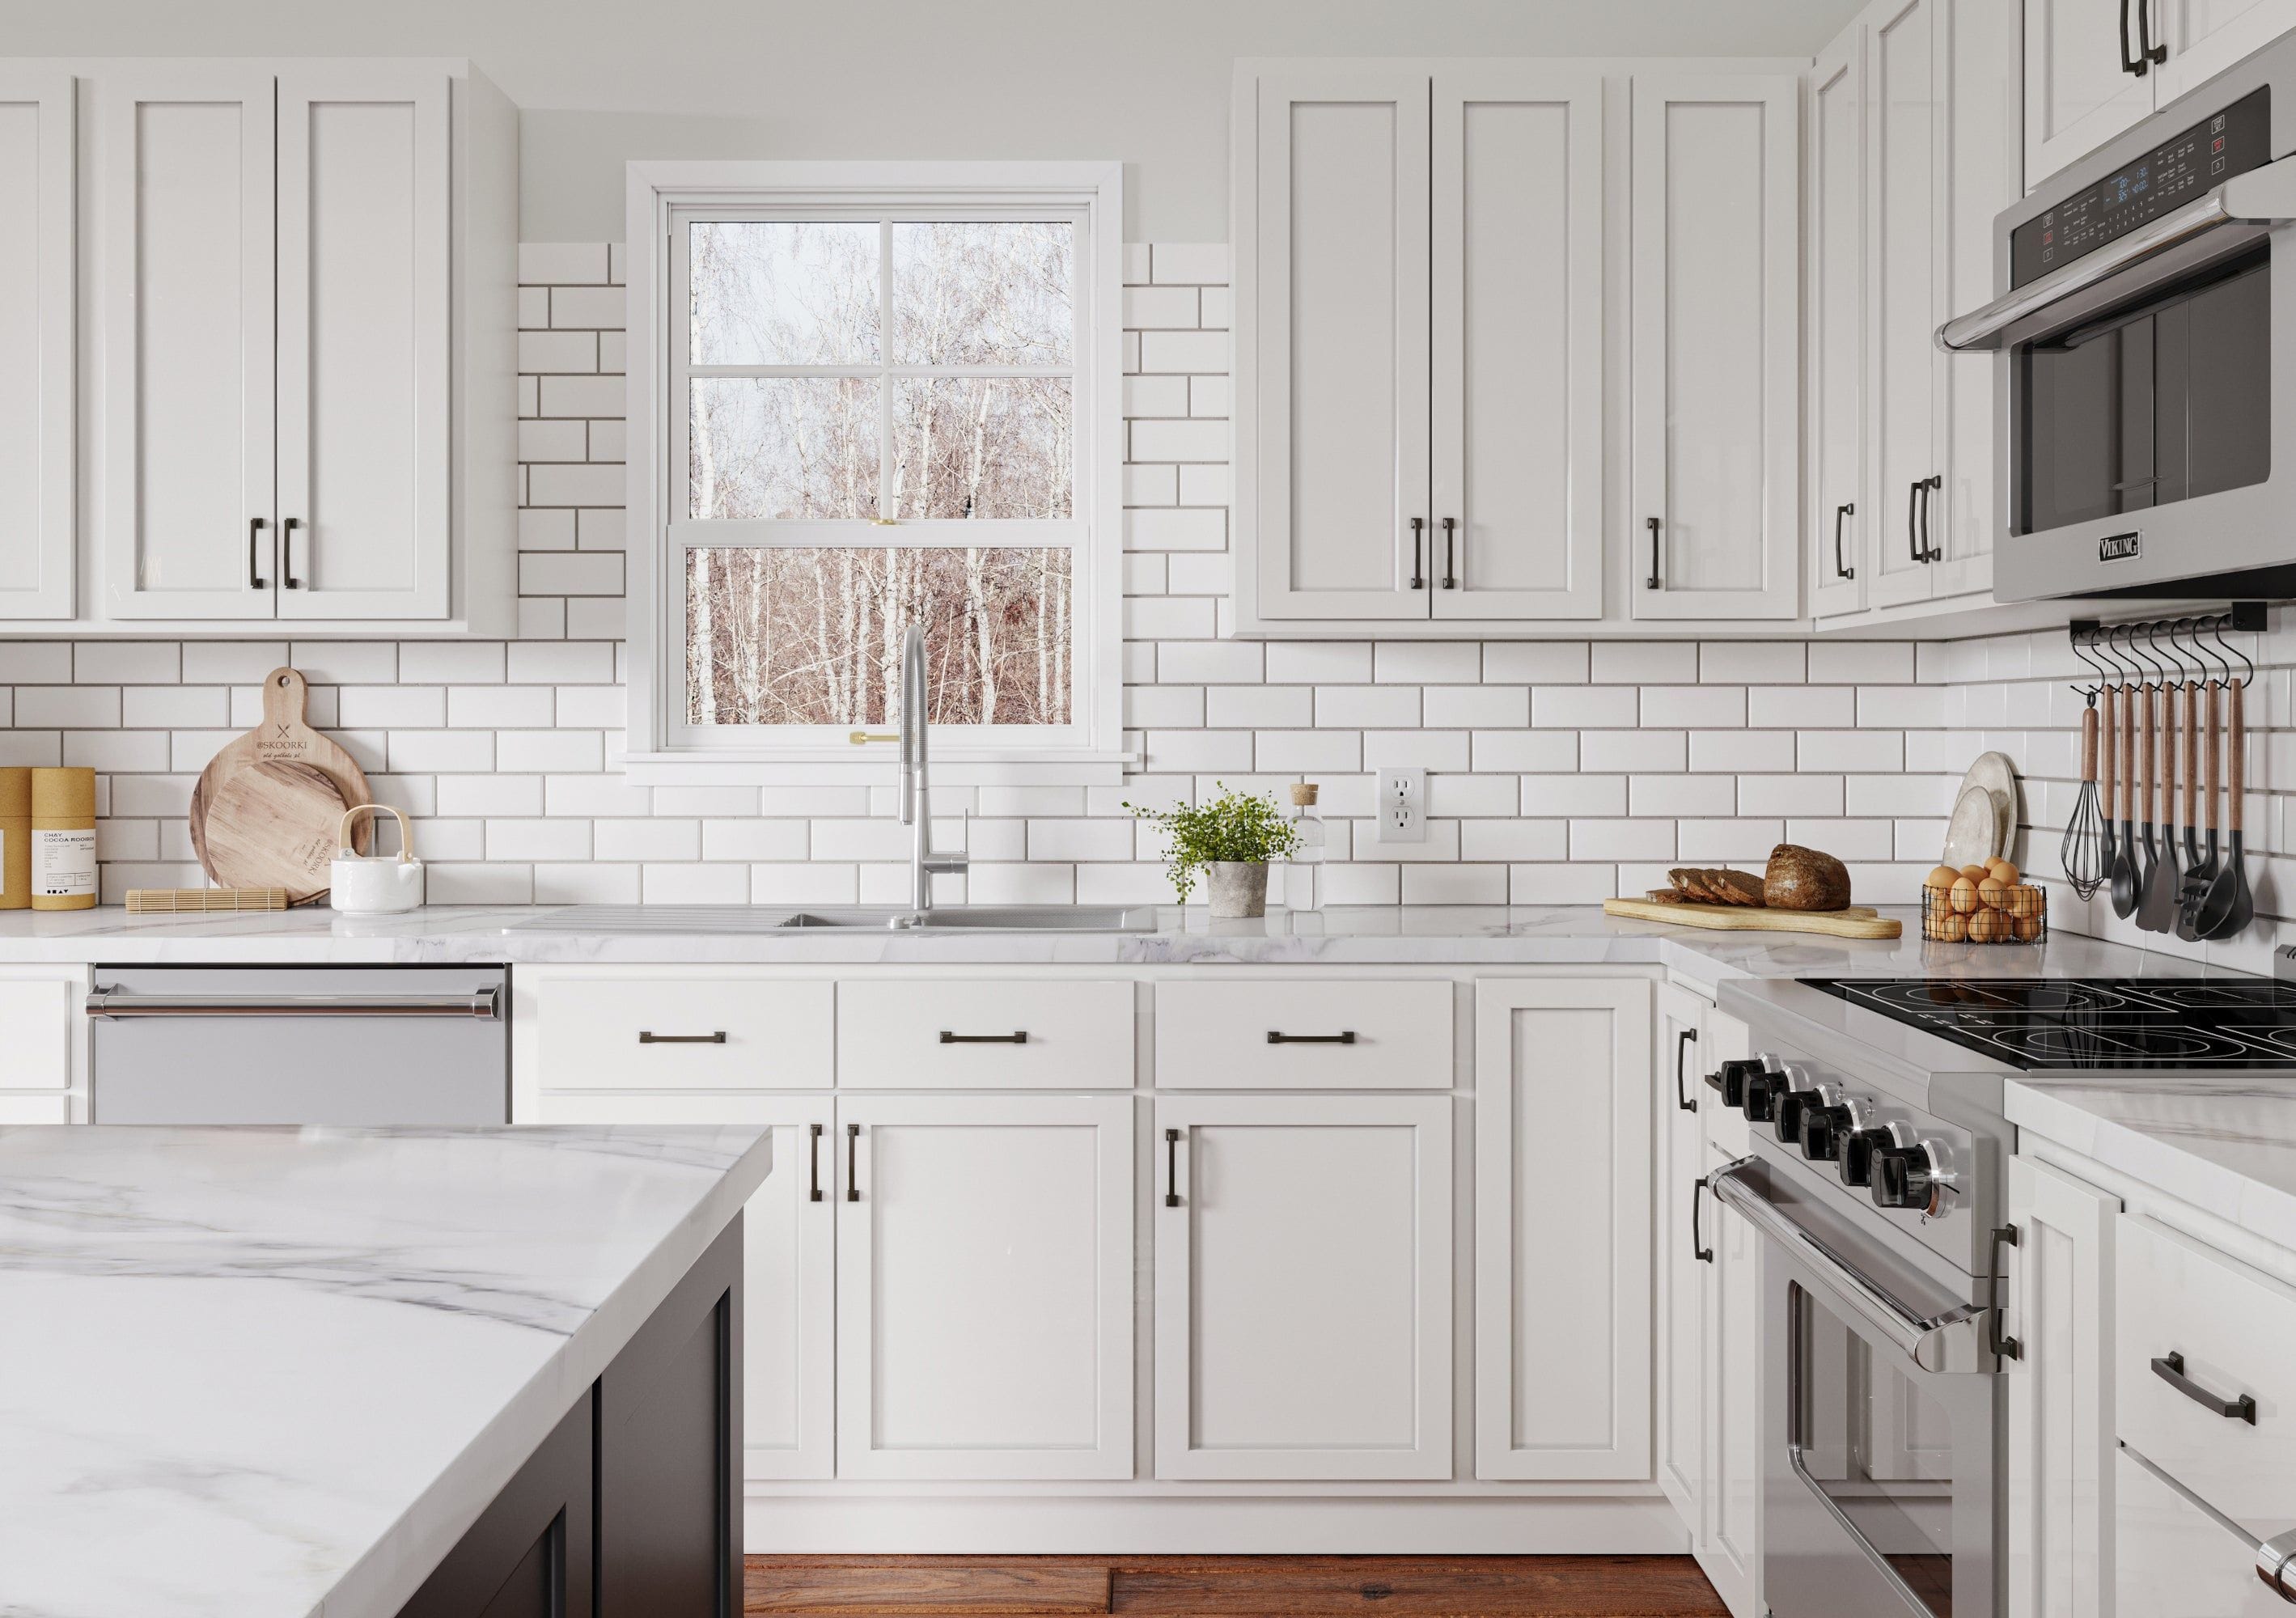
x: 1041, y: 1525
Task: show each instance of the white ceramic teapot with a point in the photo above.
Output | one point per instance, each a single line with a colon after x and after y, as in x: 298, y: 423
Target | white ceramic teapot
x: 357, y: 885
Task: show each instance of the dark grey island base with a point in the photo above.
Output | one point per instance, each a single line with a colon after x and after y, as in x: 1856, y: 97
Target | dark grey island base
x: 631, y: 1508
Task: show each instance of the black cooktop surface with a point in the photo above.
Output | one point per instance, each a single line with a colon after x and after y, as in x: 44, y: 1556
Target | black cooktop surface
x: 2094, y: 1022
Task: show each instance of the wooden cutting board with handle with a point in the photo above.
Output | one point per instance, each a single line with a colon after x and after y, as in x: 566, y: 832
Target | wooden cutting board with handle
x: 267, y: 809
x: 1855, y: 921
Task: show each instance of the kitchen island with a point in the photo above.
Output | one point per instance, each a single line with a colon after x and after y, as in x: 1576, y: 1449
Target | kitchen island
x: 256, y: 1372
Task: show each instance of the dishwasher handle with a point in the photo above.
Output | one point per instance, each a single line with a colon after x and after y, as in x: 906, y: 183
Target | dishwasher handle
x: 482, y: 1004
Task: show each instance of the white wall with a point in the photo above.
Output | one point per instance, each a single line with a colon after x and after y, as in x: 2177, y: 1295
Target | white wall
x: 603, y: 81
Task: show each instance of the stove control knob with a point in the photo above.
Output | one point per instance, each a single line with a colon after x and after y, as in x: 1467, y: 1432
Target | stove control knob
x: 1799, y: 1096
x: 1854, y: 1154
x: 1730, y: 1080
x: 1904, y: 1177
x: 1762, y: 1092
x: 1824, y: 1130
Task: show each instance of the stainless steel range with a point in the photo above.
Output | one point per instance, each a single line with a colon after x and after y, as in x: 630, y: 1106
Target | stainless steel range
x: 1877, y: 1180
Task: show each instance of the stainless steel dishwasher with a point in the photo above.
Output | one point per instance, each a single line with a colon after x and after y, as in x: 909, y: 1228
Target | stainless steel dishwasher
x: 290, y: 1045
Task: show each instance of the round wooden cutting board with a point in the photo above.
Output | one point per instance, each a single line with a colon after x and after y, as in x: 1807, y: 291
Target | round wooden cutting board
x: 265, y: 811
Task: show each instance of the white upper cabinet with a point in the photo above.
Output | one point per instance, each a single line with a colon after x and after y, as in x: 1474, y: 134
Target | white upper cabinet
x: 364, y: 430
x: 258, y: 358
x: 1516, y: 520
x: 2096, y: 67
x: 37, y: 268
x: 1331, y: 353
x: 1836, y: 294
x: 1716, y: 341
x: 183, y: 178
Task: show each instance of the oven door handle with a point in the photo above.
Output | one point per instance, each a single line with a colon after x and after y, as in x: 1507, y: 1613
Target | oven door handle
x: 2264, y: 196
x: 112, y: 1003
x: 1948, y: 1341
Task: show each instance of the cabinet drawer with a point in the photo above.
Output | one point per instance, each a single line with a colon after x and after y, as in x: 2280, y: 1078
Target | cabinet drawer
x: 1302, y: 1034
x: 2169, y: 1557
x: 684, y: 1028
x: 42, y: 1018
x: 984, y: 1034
x: 2230, y: 1328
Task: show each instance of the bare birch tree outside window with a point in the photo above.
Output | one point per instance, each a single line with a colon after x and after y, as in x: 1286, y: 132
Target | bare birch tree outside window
x: 882, y: 414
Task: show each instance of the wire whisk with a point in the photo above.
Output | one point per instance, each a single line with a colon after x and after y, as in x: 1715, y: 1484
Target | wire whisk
x: 2084, y: 851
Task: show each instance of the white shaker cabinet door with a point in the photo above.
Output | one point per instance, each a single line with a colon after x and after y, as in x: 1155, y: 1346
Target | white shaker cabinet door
x: 789, y: 1257
x: 182, y: 202
x: 2060, y: 1312
x: 1331, y: 358
x: 984, y: 1287
x: 1517, y: 303
x: 1905, y: 81
x: 1303, y: 1287
x: 363, y: 435
x: 1682, y: 1279
x: 1839, y: 512
x: 2203, y: 37
x: 36, y: 294
x: 1727, y: 1537
x: 1716, y: 334
x: 2080, y: 86
x: 1562, y: 1321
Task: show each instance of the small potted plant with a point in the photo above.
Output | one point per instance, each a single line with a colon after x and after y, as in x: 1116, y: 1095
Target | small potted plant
x: 1230, y: 840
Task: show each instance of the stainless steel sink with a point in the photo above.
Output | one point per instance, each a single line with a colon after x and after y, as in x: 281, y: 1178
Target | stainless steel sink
x: 772, y: 918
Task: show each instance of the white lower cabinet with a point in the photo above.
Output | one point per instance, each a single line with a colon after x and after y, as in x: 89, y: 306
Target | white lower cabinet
x: 984, y: 1287
x: 1303, y: 1286
x: 1726, y: 1533
x: 2173, y: 1559
x: 43, y: 1075
x: 1681, y: 1277
x: 1563, y: 1237
x: 2061, y: 1445
x: 789, y: 1257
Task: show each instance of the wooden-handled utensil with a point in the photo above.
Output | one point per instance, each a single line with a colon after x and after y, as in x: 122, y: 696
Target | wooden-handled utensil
x: 2125, y: 871
x: 2164, y: 882
x: 2229, y: 906
x: 2204, y: 869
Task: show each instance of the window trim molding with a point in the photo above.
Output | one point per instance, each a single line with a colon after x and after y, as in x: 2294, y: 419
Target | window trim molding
x: 1092, y: 751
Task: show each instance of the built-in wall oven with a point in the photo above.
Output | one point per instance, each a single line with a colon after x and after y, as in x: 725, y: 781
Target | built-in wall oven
x: 2146, y: 331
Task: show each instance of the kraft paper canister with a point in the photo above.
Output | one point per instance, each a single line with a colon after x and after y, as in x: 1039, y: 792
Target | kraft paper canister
x: 63, y: 839
x: 15, y: 838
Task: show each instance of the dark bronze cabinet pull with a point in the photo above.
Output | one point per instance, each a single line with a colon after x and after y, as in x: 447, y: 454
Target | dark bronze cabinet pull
x: 2004, y: 1346
x: 1912, y: 503
x: 1450, y: 543
x: 1345, y: 1036
x: 2147, y: 53
x: 2170, y: 1368
x: 852, y: 1150
x: 1683, y: 1041
x: 255, y: 526
x: 1930, y: 485
x: 1019, y: 1036
x: 1698, y: 1250
x: 1418, y: 535
x: 646, y: 1036
x: 2128, y: 64
x: 1841, y: 569
x: 1171, y: 1168
x: 813, y: 1154
x: 287, y: 552
x: 1651, y: 583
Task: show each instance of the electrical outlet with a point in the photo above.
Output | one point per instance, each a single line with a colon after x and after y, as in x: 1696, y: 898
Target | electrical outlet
x: 1403, y: 806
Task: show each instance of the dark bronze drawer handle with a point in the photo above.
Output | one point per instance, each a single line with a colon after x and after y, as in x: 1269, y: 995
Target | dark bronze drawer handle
x: 2004, y: 1346
x: 852, y: 1150
x: 646, y: 1036
x: 813, y: 1154
x: 1345, y: 1036
x: 1698, y: 1250
x: 2170, y: 1368
x: 1019, y: 1036
x: 1683, y: 1041
x: 1171, y: 1168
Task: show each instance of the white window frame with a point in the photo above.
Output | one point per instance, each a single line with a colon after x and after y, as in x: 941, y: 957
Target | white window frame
x: 661, y: 747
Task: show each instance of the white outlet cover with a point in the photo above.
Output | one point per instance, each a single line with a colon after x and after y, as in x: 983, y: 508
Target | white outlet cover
x: 1402, y: 806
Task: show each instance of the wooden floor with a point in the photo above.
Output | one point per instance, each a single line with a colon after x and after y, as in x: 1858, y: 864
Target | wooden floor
x: 1232, y: 1587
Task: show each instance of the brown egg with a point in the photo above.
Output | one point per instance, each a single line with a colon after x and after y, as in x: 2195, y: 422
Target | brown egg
x: 1990, y: 927
x: 1975, y: 872
x: 2028, y: 928
x: 2003, y: 872
x: 1992, y: 894
x: 1942, y: 876
x: 1964, y: 894
x: 1950, y: 925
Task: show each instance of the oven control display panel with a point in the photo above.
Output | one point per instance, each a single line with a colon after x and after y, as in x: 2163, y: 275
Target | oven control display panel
x: 2172, y: 174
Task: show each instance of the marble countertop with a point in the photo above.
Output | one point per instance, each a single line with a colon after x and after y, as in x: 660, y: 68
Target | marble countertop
x: 1369, y: 934
x: 257, y: 1372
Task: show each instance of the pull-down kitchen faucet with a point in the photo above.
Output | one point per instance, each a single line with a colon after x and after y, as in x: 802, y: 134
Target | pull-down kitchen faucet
x: 916, y: 793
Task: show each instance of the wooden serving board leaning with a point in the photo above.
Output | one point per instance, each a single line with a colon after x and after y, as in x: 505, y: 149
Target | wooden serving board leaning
x: 267, y: 809
x: 1854, y: 921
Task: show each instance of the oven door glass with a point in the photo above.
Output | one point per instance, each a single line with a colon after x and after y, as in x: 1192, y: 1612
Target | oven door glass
x: 1874, y: 1447
x: 2168, y: 399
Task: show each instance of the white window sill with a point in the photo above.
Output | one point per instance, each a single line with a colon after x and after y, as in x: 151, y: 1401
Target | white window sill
x: 1002, y: 767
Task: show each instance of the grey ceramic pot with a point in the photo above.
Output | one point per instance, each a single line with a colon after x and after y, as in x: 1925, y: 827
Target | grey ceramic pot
x: 1238, y: 889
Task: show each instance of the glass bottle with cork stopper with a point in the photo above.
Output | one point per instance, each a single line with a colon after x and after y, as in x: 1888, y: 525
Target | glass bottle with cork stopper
x: 1303, y: 871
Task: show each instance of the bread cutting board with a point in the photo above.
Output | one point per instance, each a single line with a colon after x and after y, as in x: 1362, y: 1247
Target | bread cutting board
x: 265, y: 811
x: 1856, y: 921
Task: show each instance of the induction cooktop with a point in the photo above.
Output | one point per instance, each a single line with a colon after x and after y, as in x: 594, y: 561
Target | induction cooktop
x: 2094, y: 1022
